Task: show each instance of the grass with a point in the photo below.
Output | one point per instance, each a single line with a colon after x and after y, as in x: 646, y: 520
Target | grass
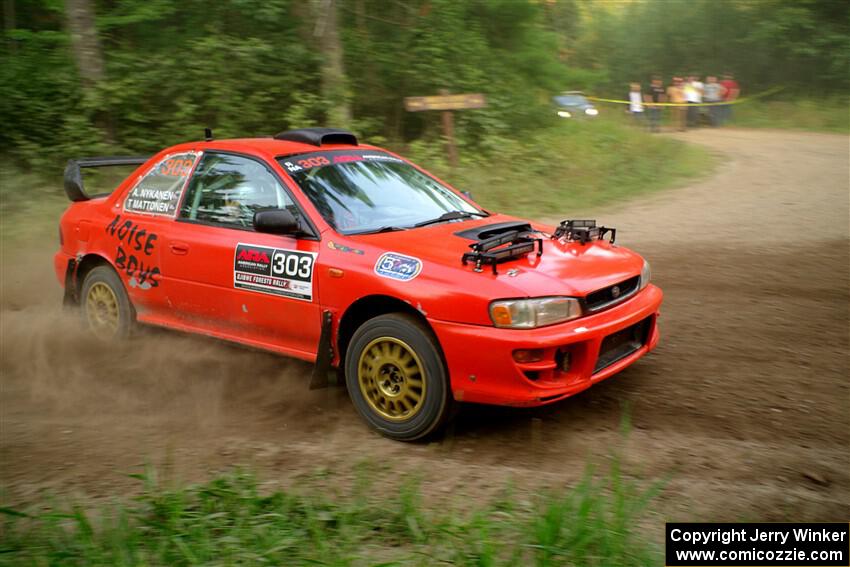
x: 572, y: 165
x: 230, y: 521
x: 827, y: 115
x: 30, y: 205
x: 575, y: 165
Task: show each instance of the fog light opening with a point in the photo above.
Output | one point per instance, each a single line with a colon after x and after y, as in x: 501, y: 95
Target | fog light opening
x: 525, y: 355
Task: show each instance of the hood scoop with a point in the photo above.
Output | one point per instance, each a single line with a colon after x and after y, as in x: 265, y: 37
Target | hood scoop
x: 490, y: 230
x: 497, y: 243
x: 505, y: 241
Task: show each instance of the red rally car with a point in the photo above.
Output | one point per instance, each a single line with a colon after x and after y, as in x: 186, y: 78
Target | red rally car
x: 315, y: 246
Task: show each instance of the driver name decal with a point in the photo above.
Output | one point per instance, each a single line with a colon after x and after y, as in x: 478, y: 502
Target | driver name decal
x: 398, y: 266
x: 158, y: 191
x: 288, y: 273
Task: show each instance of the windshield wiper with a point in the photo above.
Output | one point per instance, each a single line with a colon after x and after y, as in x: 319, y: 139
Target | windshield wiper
x: 382, y: 229
x: 451, y: 215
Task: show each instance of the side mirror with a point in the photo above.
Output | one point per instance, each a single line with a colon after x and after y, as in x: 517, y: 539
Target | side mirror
x: 276, y: 221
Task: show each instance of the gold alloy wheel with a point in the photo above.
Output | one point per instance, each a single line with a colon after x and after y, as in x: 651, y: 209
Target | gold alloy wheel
x: 391, y: 378
x: 102, y: 310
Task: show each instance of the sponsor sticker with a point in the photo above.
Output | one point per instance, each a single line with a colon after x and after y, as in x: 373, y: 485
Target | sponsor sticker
x: 342, y: 248
x: 398, y: 266
x: 278, y: 271
x: 303, y: 162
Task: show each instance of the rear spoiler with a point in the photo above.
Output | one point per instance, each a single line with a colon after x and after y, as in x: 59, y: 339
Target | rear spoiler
x: 74, y: 176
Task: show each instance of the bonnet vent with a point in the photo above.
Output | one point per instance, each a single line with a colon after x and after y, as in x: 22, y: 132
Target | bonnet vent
x: 318, y: 136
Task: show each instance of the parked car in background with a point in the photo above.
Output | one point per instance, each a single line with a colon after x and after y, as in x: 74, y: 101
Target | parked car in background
x: 573, y: 104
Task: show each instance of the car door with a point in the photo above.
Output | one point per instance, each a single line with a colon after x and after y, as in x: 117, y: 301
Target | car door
x: 136, y: 224
x: 225, y: 277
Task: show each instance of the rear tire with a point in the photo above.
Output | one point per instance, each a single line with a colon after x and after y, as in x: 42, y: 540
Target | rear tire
x: 105, y: 306
x: 396, y: 377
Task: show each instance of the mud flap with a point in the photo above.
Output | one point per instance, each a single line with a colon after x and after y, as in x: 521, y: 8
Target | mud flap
x: 69, y: 298
x: 324, y: 354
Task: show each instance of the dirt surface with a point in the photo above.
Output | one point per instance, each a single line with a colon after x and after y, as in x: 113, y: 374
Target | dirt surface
x: 743, y: 407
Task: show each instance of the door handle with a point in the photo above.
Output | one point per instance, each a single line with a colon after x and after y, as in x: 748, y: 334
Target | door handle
x: 179, y: 248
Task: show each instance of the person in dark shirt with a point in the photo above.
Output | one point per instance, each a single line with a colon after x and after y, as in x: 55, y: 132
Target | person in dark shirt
x: 656, y: 93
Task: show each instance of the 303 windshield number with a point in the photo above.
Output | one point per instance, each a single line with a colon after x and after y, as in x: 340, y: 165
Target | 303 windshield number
x: 292, y: 265
x: 313, y: 162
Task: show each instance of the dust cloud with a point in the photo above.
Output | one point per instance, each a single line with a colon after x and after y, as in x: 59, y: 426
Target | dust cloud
x: 47, y: 356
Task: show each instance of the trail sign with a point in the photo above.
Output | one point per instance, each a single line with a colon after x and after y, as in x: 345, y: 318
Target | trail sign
x: 447, y: 103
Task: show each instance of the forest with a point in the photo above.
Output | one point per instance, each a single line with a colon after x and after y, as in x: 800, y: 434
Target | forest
x: 95, y: 76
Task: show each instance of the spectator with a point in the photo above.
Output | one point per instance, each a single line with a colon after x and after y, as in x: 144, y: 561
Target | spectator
x: 713, y: 93
x: 656, y: 94
x: 693, y: 94
x: 676, y: 95
x: 635, y: 102
x: 730, y: 95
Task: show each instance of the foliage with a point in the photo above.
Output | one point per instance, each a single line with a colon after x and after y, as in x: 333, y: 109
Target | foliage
x: 801, y: 44
x: 230, y: 521
x: 170, y: 72
x: 498, y: 47
x: 253, y: 67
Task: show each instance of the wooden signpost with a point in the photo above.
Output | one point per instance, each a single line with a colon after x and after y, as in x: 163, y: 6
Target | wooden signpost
x: 447, y: 103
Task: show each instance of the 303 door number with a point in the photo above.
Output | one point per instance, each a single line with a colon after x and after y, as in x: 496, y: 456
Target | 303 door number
x: 292, y: 265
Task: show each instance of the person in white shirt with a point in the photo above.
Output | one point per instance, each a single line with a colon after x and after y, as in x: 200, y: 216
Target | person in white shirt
x: 713, y: 92
x: 635, y: 101
x: 693, y: 94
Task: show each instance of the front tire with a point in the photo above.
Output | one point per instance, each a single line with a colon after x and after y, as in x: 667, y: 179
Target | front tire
x: 396, y: 377
x: 106, y: 308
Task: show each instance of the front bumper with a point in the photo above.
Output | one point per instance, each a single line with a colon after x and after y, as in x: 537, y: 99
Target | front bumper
x: 483, y: 370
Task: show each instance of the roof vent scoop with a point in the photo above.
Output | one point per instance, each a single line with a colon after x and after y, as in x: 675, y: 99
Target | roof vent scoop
x: 318, y: 136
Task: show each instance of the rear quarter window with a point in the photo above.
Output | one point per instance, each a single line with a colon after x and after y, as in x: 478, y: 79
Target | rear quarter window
x: 158, y: 191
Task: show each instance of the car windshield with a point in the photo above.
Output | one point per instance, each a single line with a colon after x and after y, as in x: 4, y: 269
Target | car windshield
x: 361, y: 191
x: 570, y: 100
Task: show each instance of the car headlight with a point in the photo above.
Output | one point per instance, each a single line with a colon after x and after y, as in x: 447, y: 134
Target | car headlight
x: 645, y: 275
x: 564, y: 114
x: 591, y: 111
x: 532, y: 313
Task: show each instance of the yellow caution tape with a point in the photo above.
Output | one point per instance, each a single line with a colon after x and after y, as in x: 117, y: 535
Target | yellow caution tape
x: 691, y: 104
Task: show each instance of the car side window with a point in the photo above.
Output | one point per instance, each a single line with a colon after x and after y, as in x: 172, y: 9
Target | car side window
x: 227, y: 189
x: 158, y: 191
